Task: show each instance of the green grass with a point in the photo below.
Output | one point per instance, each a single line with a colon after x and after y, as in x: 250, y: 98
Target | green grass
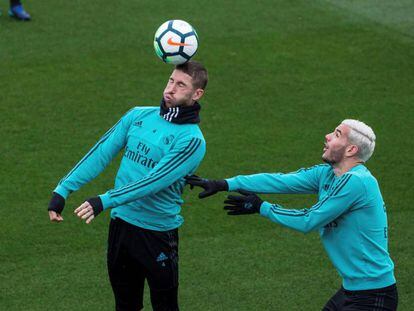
x: 282, y: 74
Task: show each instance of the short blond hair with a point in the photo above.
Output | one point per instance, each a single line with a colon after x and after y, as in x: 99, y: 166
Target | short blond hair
x: 362, y: 136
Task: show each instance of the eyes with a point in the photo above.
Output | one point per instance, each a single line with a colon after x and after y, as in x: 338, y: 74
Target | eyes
x: 337, y: 133
x: 179, y: 83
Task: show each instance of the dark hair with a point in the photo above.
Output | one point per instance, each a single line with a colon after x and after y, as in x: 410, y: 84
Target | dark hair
x: 197, y: 71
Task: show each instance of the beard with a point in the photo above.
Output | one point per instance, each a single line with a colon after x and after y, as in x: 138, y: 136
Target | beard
x: 327, y: 160
x: 334, y: 156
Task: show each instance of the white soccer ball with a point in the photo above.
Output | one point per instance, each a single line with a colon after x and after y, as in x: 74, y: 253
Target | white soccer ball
x: 175, y: 42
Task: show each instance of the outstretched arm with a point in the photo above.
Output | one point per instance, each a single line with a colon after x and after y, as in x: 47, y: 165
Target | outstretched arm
x: 348, y: 191
x: 210, y: 186
x: 301, y: 181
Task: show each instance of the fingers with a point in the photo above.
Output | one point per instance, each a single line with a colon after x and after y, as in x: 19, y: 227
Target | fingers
x: 198, y: 183
x: 244, y: 192
x: 233, y: 210
x: 90, y: 218
x: 194, y: 180
x: 233, y: 203
x: 236, y: 198
x: 83, y: 209
x: 192, y: 177
x: 237, y: 213
x: 205, y: 194
x: 85, y: 212
x: 231, y: 207
x: 236, y: 204
x: 55, y: 217
x: 59, y: 217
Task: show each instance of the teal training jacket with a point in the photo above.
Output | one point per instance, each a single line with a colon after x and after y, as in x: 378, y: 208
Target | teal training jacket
x: 350, y: 217
x: 157, y: 154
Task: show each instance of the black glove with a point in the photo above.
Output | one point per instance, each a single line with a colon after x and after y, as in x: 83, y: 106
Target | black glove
x: 247, y: 203
x: 210, y: 186
x: 96, y: 204
x: 57, y: 203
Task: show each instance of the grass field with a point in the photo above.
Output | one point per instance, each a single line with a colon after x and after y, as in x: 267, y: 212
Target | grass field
x: 282, y: 74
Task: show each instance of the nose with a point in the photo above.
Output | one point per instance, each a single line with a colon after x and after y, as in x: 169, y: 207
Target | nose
x: 328, y: 137
x: 171, y: 88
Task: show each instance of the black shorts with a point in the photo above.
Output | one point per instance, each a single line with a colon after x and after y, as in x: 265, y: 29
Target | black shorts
x: 381, y: 299
x: 135, y: 255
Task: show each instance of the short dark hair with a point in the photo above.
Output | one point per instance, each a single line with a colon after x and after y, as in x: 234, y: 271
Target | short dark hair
x: 197, y: 71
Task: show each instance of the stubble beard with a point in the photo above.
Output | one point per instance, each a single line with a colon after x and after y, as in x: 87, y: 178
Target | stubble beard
x: 335, y: 156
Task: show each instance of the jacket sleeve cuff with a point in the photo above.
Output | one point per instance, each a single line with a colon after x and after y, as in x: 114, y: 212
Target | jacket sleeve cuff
x: 96, y: 203
x: 265, y: 209
x: 62, y: 191
x: 222, y: 185
x: 106, y: 201
x: 232, y: 184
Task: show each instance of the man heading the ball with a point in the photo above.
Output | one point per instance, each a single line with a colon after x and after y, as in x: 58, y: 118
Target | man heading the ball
x: 161, y: 145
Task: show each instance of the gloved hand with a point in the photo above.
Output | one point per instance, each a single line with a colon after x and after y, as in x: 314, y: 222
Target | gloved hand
x: 246, y: 203
x: 210, y: 186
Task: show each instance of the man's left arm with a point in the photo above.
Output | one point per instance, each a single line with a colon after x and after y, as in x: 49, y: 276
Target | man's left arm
x: 182, y: 160
x: 348, y: 191
x: 302, y: 181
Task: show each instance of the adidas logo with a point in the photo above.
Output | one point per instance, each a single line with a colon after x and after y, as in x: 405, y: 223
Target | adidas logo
x: 138, y: 123
x: 161, y: 257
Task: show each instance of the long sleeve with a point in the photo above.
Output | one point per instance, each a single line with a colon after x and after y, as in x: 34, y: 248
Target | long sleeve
x: 97, y: 158
x: 347, y: 192
x: 181, y: 160
x: 301, y: 181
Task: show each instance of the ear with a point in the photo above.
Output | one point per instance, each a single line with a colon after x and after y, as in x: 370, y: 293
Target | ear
x: 198, y: 93
x: 352, y: 150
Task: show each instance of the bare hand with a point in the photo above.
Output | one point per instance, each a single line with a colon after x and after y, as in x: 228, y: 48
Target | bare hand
x: 55, y: 217
x: 85, y: 211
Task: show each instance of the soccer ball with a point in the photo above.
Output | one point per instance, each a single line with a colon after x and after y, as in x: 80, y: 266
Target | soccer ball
x: 175, y: 42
